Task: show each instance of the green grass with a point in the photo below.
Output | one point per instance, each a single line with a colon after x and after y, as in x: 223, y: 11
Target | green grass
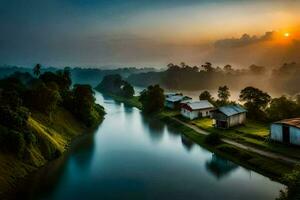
x: 53, y: 137
x: 253, y: 133
x: 269, y: 167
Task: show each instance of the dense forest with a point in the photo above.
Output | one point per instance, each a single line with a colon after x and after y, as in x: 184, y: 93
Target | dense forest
x: 39, y: 115
x: 207, y: 77
x: 114, y: 84
x: 79, y: 75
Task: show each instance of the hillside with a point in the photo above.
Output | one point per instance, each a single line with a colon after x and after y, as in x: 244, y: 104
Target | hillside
x: 52, y: 139
x: 39, y: 117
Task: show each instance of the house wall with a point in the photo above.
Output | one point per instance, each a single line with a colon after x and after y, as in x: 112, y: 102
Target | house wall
x: 294, y: 135
x: 276, y: 132
x: 169, y: 104
x: 237, y: 119
x: 195, y: 113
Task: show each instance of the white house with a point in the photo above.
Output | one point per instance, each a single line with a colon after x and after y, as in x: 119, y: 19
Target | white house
x: 173, y: 101
x: 286, y: 131
x: 196, y: 109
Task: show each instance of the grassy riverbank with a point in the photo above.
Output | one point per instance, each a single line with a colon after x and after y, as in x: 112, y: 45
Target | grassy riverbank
x: 253, y: 133
x: 267, y: 166
x: 52, y: 138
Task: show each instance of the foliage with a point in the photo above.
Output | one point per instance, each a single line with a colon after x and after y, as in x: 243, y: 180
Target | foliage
x: 42, y: 98
x: 152, y: 99
x: 213, y: 139
x: 205, y: 95
x: 37, y: 69
x: 81, y: 102
x: 127, y: 90
x: 293, y: 183
x: 255, y: 102
x: 282, y: 108
x: 223, y: 94
x: 114, y: 84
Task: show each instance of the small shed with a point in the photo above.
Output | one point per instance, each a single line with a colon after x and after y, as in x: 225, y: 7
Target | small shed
x: 229, y: 116
x: 196, y: 109
x: 286, y: 131
x: 174, y: 101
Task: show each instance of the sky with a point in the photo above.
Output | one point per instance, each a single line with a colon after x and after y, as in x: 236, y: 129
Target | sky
x: 149, y: 33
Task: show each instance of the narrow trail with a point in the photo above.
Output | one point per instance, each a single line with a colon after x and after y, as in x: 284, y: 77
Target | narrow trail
x: 268, y: 154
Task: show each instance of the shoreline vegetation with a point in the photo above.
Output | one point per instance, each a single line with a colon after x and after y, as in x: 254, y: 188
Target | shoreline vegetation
x: 247, y: 159
x: 40, y: 117
x: 253, y: 134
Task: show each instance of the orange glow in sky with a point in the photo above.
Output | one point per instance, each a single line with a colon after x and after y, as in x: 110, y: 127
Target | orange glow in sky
x: 287, y: 34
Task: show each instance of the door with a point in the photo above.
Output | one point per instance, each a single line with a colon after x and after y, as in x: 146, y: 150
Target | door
x: 200, y: 114
x: 286, y: 134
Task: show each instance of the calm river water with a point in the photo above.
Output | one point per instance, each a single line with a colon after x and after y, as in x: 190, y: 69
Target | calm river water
x: 134, y: 157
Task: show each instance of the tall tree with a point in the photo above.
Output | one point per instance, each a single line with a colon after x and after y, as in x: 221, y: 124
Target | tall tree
x: 152, y: 99
x: 37, y: 69
x: 205, y: 95
x: 255, y: 101
x: 223, y: 94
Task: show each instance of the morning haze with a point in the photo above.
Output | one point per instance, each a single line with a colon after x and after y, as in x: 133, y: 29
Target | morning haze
x: 149, y: 33
x: 150, y: 99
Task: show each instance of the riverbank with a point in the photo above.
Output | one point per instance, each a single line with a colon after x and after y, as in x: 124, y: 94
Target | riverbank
x: 52, y: 137
x: 273, y: 168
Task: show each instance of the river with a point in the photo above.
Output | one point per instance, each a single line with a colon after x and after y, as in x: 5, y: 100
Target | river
x: 131, y: 156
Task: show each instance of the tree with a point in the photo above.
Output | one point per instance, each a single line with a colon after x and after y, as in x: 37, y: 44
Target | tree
x: 208, y: 67
x: 223, y: 94
x: 152, y: 99
x: 255, y: 101
x: 37, y: 69
x: 254, y: 98
x: 127, y: 90
x: 282, y: 108
x: 228, y: 68
x: 42, y: 98
x: 205, y: 95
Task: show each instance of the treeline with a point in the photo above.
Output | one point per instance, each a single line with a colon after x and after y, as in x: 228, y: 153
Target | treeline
x: 260, y: 105
x: 21, y: 94
x: 79, y: 75
x: 114, y: 84
x: 184, y: 77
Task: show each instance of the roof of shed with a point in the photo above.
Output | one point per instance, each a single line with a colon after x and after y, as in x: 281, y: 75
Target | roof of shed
x: 231, y: 110
x: 197, y: 105
x: 176, y: 98
x: 292, y: 122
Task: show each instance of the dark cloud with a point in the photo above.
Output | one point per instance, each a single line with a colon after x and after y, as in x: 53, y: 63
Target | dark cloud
x: 244, y: 40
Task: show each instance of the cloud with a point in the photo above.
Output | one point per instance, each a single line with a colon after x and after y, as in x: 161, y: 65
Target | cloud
x: 244, y: 40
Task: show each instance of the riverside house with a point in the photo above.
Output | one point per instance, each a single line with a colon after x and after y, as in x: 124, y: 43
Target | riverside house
x: 173, y: 101
x: 286, y: 131
x: 196, y: 109
x: 229, y: 116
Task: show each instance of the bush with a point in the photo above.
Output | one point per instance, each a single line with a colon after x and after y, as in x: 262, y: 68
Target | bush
x: 12, y: 141
x: 212, y: 139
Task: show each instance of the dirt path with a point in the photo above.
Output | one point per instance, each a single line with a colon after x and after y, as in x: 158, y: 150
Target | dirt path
x: 243, y: 146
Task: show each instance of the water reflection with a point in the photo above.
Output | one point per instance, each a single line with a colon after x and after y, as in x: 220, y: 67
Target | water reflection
x: 155, y: 127
x: 186, y: 142
x: 219, y: 166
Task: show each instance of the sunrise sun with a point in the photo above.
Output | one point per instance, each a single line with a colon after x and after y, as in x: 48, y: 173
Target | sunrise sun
x: 286, y: 34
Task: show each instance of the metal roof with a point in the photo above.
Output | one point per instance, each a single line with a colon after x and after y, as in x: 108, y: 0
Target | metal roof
x: 197, y: 105
x: 231, y: 110
x: 291, y: 122
x: 177, y: 98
